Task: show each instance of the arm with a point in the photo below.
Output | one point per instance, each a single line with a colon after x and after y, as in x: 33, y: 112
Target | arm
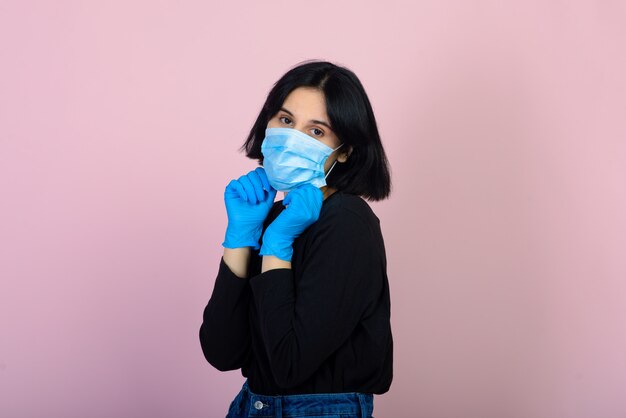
x: 303, y: 323
x: 237, y: 260
x: 225, y: 330
x: 225, y: 333
x: 271, y: 262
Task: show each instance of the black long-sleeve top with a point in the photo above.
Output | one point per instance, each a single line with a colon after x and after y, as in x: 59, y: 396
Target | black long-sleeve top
x: 322, y: 326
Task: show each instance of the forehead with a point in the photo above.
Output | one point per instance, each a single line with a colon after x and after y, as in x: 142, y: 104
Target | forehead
x: 306, y: 102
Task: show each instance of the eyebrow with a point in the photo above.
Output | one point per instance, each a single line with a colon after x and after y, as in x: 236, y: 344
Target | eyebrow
x: 320, y: 122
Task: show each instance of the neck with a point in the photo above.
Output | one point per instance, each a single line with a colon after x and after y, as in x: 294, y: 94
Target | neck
x: 325, y: 189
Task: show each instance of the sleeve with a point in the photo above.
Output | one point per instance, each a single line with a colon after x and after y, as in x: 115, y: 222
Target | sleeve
x: 225, y: 330
x: 303, y: 323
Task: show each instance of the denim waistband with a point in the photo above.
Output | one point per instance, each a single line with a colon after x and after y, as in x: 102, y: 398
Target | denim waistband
x: 279, y: 406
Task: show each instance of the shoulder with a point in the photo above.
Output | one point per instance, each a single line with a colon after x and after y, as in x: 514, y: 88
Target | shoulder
x: 347, y: 228
x: 340, y: 212
x: 347, y: 204
x: 348, y: 211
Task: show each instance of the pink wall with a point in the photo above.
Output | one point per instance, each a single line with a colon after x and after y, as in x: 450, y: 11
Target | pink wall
x: 506, y: 234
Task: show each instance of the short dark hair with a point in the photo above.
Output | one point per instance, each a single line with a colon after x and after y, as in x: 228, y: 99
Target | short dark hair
x: 366, y: 171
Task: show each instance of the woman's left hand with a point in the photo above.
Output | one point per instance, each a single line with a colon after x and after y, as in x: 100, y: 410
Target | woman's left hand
x: 303, y: 206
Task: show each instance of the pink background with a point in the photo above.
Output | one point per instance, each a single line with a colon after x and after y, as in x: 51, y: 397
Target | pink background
x: 506, y: 235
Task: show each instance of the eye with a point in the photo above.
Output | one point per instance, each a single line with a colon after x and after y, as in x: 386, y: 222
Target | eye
x: 286, y: 118
x: 318, y: 130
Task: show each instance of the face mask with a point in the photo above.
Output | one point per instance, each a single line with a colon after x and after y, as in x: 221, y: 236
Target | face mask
x: 292, y: 158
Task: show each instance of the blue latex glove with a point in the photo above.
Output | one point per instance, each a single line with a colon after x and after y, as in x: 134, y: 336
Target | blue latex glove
x: 303, y: 209
x: 248, y: 200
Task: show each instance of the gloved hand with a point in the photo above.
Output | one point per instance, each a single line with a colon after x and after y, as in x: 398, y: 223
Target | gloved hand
x: 303, y: 209
x: 248, y: 200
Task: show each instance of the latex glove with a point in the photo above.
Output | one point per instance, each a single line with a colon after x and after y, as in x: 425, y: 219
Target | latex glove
x: 248, y: 200
x: 304, y: 204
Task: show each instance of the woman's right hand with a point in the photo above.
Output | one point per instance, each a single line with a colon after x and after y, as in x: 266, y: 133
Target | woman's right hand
x: 248, y: 200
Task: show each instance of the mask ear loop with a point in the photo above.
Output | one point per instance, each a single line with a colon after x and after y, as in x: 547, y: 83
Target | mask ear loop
x: 333, y: 166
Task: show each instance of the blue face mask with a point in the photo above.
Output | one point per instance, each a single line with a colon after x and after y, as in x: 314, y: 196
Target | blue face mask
x: 292, y: 158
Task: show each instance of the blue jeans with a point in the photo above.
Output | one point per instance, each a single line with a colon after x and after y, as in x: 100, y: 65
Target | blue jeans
x: 314, y: 405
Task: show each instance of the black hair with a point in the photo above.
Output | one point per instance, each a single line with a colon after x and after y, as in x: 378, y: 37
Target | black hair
x: 366, y: 171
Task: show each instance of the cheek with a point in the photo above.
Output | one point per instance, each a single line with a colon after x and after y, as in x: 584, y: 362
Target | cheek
x: 330, y: 143
x: 329, y: 162
x: 334, y: 142
x: 273, y: 122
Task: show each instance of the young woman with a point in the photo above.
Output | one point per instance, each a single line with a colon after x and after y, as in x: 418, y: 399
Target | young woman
x: 301, y: 300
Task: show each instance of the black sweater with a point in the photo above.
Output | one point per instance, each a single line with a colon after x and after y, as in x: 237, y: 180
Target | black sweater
x: 322, y: 326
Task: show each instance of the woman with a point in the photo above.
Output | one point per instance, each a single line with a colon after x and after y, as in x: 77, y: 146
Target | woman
x: 301, y: 300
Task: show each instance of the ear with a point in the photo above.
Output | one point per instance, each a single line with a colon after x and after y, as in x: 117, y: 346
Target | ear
x: 343, y: 157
